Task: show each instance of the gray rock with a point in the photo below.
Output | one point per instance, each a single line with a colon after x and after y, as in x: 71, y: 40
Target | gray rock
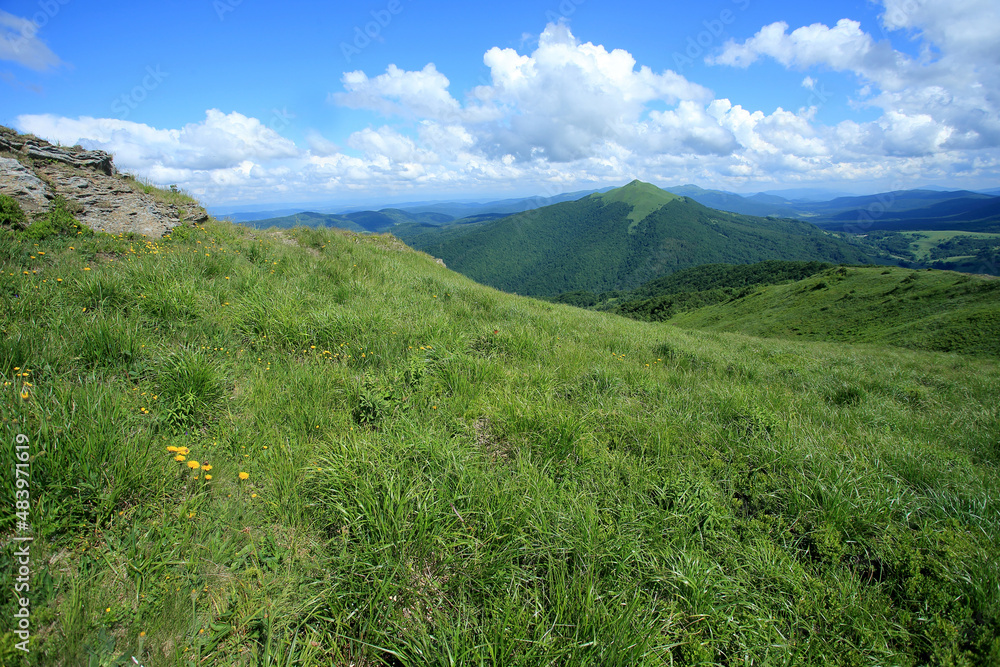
x: 105, y: 200
x: 19, y: 182
x: 77, y: 182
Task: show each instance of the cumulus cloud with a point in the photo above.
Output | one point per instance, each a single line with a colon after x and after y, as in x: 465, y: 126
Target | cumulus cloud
x: 221, y: 141
x: 570, y: 115
x: 945, y: 99
x: 422, y: 94
x: 842, y: 47
x: 19, y: 43
x: 565, y: 101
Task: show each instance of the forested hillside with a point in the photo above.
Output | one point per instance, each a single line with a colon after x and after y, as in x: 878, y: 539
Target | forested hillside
x: 618, y: 240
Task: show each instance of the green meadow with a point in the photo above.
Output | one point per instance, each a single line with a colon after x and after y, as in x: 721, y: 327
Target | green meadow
x: 312, y: 447
x: 941, y: 311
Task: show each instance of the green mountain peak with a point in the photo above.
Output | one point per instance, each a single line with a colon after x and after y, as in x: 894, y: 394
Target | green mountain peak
x: 644, y: 198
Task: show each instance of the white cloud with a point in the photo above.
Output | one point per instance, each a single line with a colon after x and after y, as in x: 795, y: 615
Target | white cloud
x: 389, y: 144
x: 19, y: 43
x: 219, y: 142
x: 843, y: 47
x: 563, y: 102
x: 571, y: 115
x: 946, y: 99
x: 320, y: 145
x: 422, y: 94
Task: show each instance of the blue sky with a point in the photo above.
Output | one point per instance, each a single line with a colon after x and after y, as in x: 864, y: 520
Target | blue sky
x: 246, y: 102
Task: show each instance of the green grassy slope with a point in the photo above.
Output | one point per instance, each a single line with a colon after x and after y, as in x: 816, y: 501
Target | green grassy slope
x: 643, y: 198
x: 592, y: 244
x: 439, y: 473
x: 931, y: 310
x: 687, y: 289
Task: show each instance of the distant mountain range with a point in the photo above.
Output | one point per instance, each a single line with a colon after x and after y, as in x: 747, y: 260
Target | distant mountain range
x: 618, y: 239
x: 452, y: 209
x: 922, y: 209
x: 913, y: 210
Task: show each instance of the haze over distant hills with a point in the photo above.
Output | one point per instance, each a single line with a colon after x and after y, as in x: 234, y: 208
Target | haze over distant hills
x: 925, y: 208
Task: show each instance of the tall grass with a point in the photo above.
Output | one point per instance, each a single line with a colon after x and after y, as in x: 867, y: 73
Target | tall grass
x: 439, y: 473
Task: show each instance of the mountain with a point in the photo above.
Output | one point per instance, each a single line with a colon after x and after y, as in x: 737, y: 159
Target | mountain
x: 760, y: 205
x: 306, y: 219
x: 617, y: 240
x: 800, y: 195
x: 502, y: 206
x: 250, y: 216
x: 358, y: 221
x: 909, y: 210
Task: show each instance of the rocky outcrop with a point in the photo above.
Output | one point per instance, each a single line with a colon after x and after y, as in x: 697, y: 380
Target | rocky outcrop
x: 20, y: 182
x: 43, y: 150
x: 34, y: 172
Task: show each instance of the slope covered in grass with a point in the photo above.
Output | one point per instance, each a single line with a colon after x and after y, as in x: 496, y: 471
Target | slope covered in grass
x: 927, y: 310
x: 688, y: 289
x: 408, y: 468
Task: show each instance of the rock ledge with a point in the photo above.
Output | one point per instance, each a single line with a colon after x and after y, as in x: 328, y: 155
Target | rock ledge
x: 35, y: 172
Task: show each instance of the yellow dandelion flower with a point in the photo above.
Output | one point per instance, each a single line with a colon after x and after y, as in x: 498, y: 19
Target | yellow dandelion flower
x: 206, y: 467
x: 172, y: 449
x: 142, y: 634
x: 208, y: 478
x: 193, y: 464
x: 179, y: 458
x: 253, y: 495
x: 244, y: 475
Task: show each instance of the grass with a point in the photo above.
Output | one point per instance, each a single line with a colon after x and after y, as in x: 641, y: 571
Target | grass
x: 440, y: 473
x: 929, y: 310
x: 164, y: 195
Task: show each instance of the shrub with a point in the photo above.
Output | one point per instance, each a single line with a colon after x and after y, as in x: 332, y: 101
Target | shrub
x: 11, y: 213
